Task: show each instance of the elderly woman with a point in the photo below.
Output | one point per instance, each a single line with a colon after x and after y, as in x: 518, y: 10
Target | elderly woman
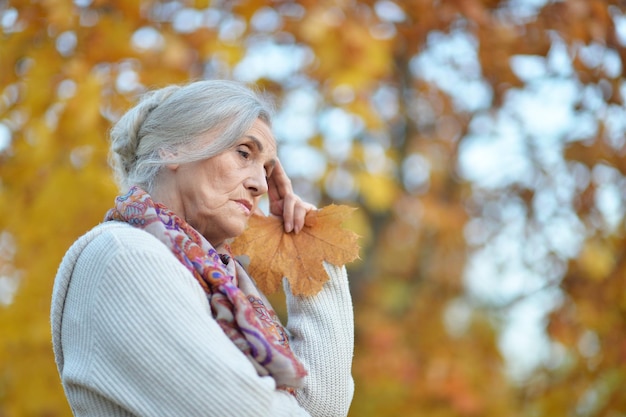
x: 151, y: 315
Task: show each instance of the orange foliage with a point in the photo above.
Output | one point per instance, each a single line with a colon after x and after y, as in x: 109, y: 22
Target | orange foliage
x: 275, y: 254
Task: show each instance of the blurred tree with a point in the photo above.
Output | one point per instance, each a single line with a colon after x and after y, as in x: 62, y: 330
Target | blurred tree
x: 481, y: 139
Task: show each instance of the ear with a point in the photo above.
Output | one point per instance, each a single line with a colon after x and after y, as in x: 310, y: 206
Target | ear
x: 168, y: 155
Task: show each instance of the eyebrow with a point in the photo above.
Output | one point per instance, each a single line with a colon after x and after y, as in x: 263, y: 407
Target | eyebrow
x: 256, y: 141
x: 259, y: 146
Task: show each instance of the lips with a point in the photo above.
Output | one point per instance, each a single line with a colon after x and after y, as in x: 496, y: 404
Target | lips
x: 246, y: 205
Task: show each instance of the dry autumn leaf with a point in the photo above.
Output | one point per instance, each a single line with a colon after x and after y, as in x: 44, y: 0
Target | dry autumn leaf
x: 275, y: 254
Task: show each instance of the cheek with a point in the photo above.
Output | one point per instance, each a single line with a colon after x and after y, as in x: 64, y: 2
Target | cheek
x: 230, y: 178
x: 213, y: 178
x: 218, y: 177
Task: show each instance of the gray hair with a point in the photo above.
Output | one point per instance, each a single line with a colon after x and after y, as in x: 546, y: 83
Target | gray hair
x: 164, y: 126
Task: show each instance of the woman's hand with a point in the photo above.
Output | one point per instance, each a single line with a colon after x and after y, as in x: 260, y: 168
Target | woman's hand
x: 283, y: 201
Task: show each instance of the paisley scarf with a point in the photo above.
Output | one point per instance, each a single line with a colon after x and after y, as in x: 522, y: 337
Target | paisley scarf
x: 242, y: 312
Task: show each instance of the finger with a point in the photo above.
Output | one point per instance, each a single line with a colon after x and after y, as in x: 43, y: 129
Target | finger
x: 276, y: 208
x: 272, y: 191
x: 281, y: 180
x: 299, y: 215
x: 279, y: 187
x: 289, y: 204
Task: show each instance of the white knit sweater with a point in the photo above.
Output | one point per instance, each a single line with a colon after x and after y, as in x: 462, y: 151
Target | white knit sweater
x: 133, y: 335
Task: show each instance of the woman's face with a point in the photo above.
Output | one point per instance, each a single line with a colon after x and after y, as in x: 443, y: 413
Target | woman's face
x: 218, y: 195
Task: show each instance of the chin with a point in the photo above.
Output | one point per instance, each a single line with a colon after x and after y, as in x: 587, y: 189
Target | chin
x: 237, y: 231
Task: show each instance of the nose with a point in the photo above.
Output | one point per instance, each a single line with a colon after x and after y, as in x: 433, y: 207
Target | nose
x: 256, y: 182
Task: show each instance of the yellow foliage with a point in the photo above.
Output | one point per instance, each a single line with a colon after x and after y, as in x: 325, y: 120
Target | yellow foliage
x: 82, y: 118
x: 346, y: 52
x: 596, y: 260
x: 379, y: 191
x: 60, y: 14
x: 360, y: 224
x: 109, y: 40
x: 248, y: 8
x: 176, y: 54
x: 363, y: 108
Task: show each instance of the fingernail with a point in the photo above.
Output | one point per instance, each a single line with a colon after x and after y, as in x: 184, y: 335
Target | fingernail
x: 288, y: 227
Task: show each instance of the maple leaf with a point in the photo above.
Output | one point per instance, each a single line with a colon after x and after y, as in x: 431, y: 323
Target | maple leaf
x: 275, y: 254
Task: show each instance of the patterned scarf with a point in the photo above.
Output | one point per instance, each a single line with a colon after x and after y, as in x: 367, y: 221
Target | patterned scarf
x: 243, y: 313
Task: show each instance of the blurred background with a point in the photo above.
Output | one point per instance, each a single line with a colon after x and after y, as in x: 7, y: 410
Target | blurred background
x: 482, y: 142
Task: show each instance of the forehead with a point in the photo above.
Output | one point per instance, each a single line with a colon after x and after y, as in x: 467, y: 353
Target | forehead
x: 261, y: 135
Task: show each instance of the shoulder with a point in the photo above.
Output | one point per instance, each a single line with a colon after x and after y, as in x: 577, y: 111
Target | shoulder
x: 113, y: 250
x: 118, y: 235
x: 107, y: 240
x: 119, y: 242
x: 87, y: 265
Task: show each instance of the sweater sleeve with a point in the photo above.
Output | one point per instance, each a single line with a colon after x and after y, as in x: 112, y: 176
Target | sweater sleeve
x: 322, y: 336
x: 138, y: 339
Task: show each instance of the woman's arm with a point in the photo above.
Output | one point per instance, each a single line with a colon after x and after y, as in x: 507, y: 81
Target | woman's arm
x: 322, y: 332
x: 322, y: 326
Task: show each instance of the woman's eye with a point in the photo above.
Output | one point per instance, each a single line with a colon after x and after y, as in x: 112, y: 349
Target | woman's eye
x: 244, y: 154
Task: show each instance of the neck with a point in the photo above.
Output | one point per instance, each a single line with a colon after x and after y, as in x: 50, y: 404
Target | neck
x: 167, y: 195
